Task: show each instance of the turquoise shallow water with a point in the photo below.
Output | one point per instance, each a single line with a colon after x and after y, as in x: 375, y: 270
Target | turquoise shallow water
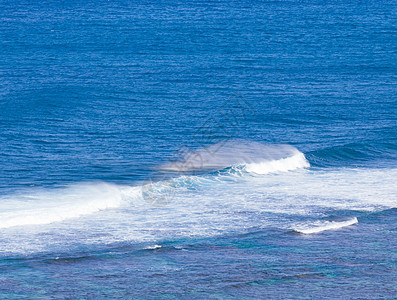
x: 198, y: 149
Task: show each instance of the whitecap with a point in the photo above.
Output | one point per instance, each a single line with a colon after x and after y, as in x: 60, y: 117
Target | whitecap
x: 324, y: 226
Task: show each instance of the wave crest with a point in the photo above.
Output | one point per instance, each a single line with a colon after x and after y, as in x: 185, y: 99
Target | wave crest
x: 251, y: 156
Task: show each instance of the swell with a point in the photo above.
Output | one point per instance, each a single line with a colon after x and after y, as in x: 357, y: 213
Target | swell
x: 357, y: 154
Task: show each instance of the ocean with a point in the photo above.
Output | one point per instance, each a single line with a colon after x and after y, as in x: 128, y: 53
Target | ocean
x: 198, y: 149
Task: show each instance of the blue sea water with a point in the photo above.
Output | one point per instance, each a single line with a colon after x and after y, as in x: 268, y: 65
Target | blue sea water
x: 198, y: 149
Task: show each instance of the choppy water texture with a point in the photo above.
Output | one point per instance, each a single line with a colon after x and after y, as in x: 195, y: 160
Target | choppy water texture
x: 198, y: 149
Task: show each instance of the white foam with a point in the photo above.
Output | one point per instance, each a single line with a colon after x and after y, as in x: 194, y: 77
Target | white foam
x: 57, y: 205
x: 188, y: 206
x: 154, y: 247
x: 294, y: 162
x: 324, y: 226
x: 340, y: 188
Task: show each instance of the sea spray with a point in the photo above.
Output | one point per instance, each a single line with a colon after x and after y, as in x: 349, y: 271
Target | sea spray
x: 253, y: 156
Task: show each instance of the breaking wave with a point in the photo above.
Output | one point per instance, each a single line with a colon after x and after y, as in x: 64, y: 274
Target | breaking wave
x: 192, y: 205
x: 48, y: 206
x: 252, y: 157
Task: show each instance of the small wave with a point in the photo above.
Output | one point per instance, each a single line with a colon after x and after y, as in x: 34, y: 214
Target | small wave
x: 154, y: 247
x: 327, y: 225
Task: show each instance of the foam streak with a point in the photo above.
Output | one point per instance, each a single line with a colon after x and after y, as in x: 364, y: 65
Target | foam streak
x: 326, y: 226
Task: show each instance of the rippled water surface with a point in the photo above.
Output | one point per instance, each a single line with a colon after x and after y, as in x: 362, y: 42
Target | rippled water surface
x: 198, y: 149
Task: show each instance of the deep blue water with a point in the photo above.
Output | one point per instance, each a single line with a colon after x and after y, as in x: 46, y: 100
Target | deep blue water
x: 198, y: 149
